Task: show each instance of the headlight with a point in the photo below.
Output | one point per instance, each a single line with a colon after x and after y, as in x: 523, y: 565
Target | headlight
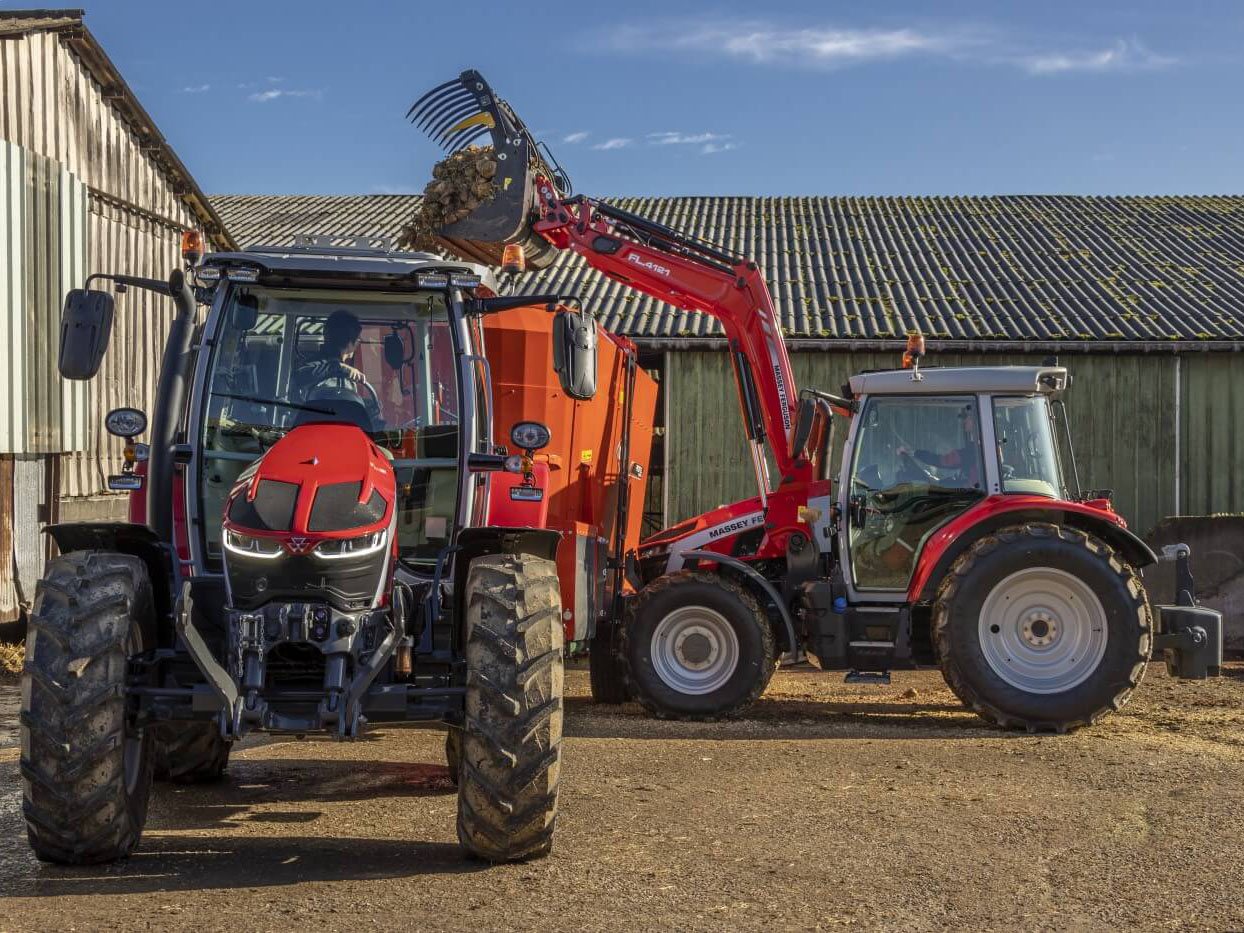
x: 250, y: 546
x: 125, y: 422
x: 529, y: 435
x: 350, y: 547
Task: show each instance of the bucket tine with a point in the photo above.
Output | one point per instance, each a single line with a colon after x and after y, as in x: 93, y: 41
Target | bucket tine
x: 431, y: 96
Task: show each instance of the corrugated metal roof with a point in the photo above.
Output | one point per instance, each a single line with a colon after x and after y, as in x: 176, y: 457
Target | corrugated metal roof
x: 1031, y: 268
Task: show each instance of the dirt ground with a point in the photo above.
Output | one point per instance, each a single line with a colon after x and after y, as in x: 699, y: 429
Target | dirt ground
x: 829, y: 806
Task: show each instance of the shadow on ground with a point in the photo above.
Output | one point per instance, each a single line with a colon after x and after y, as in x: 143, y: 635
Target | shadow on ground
x: 172, y: 862
x: 252, y: 783
x: 785, y: 718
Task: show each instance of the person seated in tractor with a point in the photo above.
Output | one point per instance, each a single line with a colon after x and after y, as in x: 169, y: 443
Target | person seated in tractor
x: 330, y: 379
x: 965, y: 460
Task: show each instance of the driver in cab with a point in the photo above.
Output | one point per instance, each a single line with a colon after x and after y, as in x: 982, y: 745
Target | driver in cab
x: 965, y: 460
x: 329, y: 377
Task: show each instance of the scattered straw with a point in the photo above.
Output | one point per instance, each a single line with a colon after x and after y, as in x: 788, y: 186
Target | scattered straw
x: 11, y: 658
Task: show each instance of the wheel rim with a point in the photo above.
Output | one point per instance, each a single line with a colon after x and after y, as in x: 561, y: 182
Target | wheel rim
x: 1043, y: 630
x: 695, y: 650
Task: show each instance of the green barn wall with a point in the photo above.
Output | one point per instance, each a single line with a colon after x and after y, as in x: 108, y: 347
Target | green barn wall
x: 1121, y: 408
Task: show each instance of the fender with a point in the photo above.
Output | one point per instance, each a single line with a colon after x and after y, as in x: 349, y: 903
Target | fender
x: 125, y: 538
x: 754, y: 578
x: 493, y: 539
x: 945, y: 545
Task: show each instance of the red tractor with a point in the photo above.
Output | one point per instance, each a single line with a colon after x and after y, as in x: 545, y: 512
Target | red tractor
x: 320, y: 541
x: 951, y: 531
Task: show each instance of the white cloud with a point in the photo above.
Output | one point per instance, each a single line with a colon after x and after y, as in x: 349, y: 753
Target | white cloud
x: 262, y: 97
x: 573, y: 138
x: 684, y: 139
x: 196, y: 89
x: 759, y: 42
x: 763, y: 43
x: 1121, y: 55
x: 617, y: 142
x: 710, y: 148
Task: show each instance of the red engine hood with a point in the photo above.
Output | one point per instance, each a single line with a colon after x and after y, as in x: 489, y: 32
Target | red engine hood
x: 314, y: 456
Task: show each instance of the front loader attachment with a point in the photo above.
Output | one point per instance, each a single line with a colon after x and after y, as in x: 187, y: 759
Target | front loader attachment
x: 456, y: 115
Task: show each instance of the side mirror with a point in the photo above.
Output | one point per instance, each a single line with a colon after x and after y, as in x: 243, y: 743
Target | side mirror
x: 246, y: 312
x: 394, y: 351
x: 85, y: 326
x: 574, y: 353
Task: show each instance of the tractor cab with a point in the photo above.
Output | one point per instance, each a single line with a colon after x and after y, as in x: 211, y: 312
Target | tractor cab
x: 928, y: 446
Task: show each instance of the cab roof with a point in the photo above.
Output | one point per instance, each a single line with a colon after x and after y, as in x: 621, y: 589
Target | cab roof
x: 1021, y: 380
x: 325, y: 260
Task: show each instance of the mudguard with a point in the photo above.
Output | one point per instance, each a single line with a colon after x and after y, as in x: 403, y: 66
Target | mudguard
x: 945, y: 545
x: 125, y: 538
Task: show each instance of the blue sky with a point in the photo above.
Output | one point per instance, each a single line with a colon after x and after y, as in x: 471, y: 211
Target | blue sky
x: 662, y: 98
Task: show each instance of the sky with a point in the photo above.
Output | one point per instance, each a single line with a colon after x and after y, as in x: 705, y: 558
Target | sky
x: 729, y: 98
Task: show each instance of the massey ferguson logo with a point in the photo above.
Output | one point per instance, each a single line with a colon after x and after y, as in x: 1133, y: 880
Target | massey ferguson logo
x: 731, y: 528
x: 634, y: 260
x: 298, y: 545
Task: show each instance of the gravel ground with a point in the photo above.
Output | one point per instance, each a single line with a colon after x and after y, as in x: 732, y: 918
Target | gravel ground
x: 828, y: 806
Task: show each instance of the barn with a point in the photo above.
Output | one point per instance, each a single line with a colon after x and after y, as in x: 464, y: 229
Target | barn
x: 87, y: 184
x: 1141, y: 297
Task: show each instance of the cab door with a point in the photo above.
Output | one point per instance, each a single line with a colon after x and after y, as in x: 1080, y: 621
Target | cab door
x: 913, y: 463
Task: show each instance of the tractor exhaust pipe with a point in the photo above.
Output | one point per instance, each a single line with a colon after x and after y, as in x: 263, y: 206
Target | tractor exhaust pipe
x: 169, y: 407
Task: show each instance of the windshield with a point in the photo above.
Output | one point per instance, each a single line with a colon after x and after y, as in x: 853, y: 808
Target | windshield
x: 384, y: 362
x: 1026, y: 452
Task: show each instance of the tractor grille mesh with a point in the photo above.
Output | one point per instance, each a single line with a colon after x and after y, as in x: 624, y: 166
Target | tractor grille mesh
x: 337, y: 508
x: 271, y: 510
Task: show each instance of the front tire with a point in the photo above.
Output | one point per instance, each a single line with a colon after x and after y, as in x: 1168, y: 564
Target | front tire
x: 511, y: 743
x: 86, y: 768
x: 1042, y: 627
x: 697, y: 646
x: 190, y: 753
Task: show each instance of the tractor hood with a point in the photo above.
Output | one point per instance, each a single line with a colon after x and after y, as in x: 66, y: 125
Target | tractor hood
x: 312, y: 519
x: 729, y: 529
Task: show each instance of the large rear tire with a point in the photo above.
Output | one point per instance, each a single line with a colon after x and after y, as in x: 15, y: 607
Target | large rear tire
x: 86, y: 768
x: 697, y: 646
x: 511, y: 743
x: 190, y: 753
x: 1042, y: 627
x: 606, y: 671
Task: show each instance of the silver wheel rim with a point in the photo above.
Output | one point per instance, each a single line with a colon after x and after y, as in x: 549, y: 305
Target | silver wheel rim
x: 695, y: 650
x: 1043, y: 630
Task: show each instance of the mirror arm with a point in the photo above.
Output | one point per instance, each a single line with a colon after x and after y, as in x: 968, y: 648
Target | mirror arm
x: 508, y: 302
x: 151, y: 285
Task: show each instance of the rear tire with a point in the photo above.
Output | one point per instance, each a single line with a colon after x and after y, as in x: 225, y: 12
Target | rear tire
x: 86, y: 769
x: 453, y: 754
x: 1042, y: 627
x: 511, y: 744
x: 606, y: 670
x: 190, y: 753
x: 697, y: 646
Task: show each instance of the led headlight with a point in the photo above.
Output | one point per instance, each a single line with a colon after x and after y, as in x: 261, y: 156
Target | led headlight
x: 250, y: 546
x: 529, y: 435
x: 350, y: 547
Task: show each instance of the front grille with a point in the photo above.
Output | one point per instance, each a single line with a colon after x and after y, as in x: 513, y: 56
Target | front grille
x: 271, y: 510
x: 337, y: 508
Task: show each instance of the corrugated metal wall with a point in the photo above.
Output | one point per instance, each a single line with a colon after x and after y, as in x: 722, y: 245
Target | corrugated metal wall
x: 1121, y: 407
x: 1212, y: 429
x: 52, y: 107
x: 43, y: 245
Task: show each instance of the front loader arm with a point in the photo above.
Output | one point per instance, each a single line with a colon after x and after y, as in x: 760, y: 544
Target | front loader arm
x: 694, y: 276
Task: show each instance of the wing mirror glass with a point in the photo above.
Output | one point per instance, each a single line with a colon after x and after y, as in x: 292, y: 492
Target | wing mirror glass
x: 394, y: 351
x: 574, y: 353
x: 85, y: 326
x: 246, y: 312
